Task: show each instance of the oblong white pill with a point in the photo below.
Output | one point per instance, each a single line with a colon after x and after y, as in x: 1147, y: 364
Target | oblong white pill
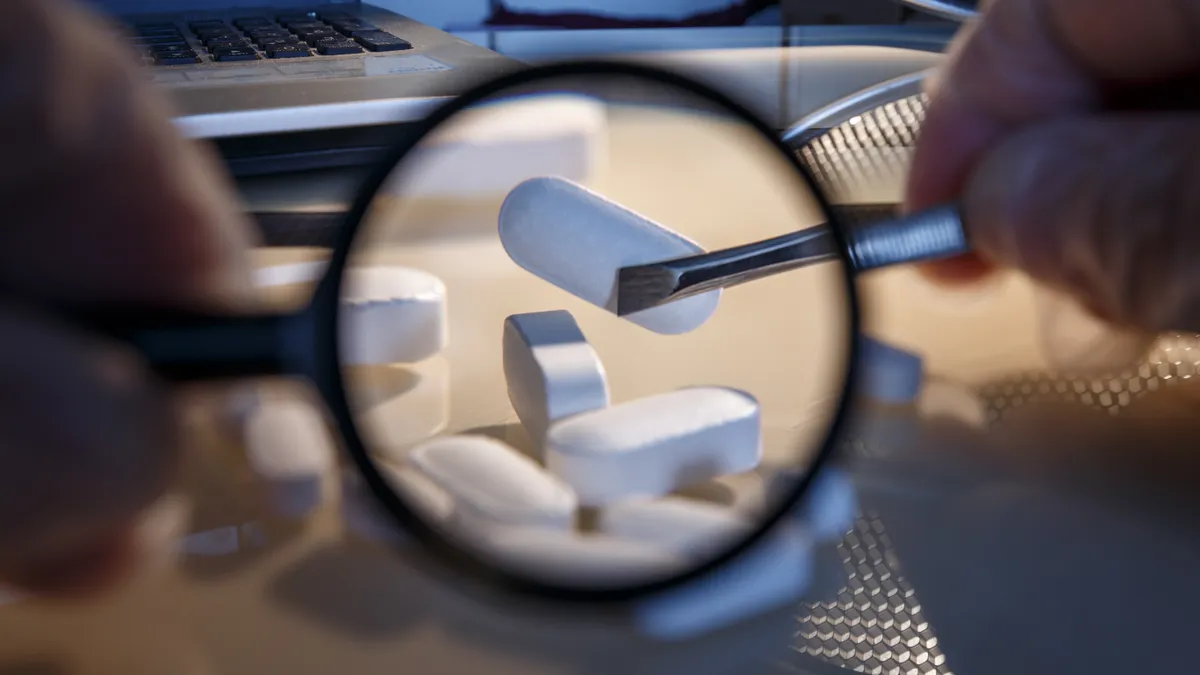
x: 288, y: 446
x: 1075, y: 341
x: 745, y: 493
x: 578, y: 240
x: 492, y: 484
x: 889, y: 374
x: 775, y: 573
x: 391, y: 315
x: 551, y: 370
x: 400, y: 405
x: 571, y: 558
x: 655, y: 445
x: 691, y: 528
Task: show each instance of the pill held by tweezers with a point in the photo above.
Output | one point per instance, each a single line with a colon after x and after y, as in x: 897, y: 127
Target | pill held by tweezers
x: 578, y: 240
x: 492, y: 484
x: 653, y: 446
x: 551, y: 370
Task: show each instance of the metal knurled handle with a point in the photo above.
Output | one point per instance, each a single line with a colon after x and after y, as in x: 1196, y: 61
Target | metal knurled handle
x: 935, y: 233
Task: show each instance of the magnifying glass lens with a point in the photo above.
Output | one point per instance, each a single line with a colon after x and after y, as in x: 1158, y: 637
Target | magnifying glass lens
x: 496, y: 388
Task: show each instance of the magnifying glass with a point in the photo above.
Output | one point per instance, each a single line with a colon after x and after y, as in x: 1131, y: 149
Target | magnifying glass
x: 575, y: 452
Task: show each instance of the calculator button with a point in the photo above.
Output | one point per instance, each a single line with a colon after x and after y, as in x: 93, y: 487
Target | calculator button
x: 352, y: 27
x: 261, y: 33
x: 298, y: 27
x: 253, y: 22
x: 235, y: 54
x: 164, y: 49
x: 287, y: 51
x: 206, y: 23
x: 264, y: 43
x: 214, y: 45
x: 338, y: 48
x: 379, y: 41
x: 316, y: 36
x: 179, y: 58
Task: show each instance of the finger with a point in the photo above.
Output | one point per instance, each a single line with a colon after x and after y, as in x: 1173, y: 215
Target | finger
x: 1103, y: 208
x: 1036, y: 59
x: 87, y: 441
x: 107, y: 201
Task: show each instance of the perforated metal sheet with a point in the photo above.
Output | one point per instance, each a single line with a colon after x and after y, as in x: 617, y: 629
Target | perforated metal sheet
x: 876, y: 625
x: 867, y: 150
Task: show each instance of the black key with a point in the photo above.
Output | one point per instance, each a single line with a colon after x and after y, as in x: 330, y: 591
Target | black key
x: 307, y: 26
x: 287, y: 51
x: 253, y: 22
x: 352, y: 27
x: 227, y: 44
x: 215, y: 33
x: 152, y: 41
x: 205, y: 23
x: 235, y: 54
x: 338, y: 47
x: 181, y: 58
x: 276, y: 41
x: 163, y: 49
x: 379, y: 41
x: 222, y: 39
x: 317, y: 36
x: 260, y: 33
x: 299, y: 21
x: 294, y: 16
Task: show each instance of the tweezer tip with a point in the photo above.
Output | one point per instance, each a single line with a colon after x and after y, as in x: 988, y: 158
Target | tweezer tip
x: 643, y: 287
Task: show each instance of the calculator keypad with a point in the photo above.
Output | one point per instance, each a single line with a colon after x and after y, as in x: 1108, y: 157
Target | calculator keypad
x: 286, y: 35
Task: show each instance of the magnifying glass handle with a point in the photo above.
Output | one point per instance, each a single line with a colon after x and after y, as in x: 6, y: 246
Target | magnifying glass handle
x: 184, y: 346
x: 927, y: 235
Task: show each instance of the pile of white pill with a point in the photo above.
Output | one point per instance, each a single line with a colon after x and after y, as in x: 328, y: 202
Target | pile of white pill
x: 612, y: 491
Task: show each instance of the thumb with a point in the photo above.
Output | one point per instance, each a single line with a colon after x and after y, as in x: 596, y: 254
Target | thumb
x: 1104, y: 208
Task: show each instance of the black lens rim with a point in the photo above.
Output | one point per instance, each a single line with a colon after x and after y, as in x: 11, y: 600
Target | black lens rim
x: 325, y: 314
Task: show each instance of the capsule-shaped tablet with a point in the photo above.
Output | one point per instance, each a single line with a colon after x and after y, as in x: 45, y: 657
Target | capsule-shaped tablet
x: 653, y: 446
x: 391, y: 315
x: 578, y: 240
x: 491, y: 484
x: 889, y: 374
x: 692, y: 528
x: 776, y: 572
x: 551, y: 370
x: 575, y: 559
x: 290, y: 449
